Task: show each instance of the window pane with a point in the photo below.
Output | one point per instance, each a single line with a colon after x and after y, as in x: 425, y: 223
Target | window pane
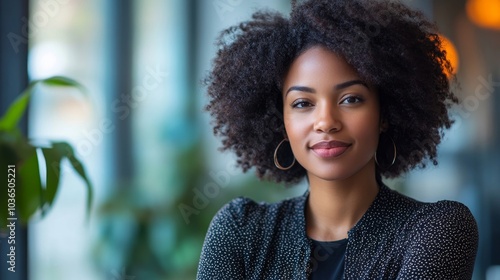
x: 66, y: 38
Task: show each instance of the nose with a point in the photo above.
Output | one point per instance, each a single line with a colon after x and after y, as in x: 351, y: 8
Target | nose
x: 326, y: 119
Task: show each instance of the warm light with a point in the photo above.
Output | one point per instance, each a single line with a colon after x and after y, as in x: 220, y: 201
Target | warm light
x: 484, y: 13
x: 451, y: 53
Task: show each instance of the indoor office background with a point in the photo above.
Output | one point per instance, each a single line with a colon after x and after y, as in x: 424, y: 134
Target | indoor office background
x: 148, y: 148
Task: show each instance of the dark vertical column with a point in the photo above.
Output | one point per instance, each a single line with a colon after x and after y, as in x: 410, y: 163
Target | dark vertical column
x: 120, y: 60
x: 192, y: 8
x: 13, y: 80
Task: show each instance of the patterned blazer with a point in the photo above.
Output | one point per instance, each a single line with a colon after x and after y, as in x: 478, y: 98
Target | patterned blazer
x: 397, y: 238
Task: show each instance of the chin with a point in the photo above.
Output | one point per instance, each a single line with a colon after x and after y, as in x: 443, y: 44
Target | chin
x: 332, y: 175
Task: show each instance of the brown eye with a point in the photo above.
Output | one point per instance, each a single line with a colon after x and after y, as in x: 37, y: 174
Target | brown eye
x: 301, y: 104
x: 351, y: 100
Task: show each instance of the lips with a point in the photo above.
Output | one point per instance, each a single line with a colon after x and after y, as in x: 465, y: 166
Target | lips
x: 330, y: 149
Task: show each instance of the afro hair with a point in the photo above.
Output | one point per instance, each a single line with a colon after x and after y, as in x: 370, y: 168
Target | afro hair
x: 393, y: 48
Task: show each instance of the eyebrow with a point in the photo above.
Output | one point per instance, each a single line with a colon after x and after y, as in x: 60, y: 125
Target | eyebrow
x: 350, y: 83
x: 337, y: 87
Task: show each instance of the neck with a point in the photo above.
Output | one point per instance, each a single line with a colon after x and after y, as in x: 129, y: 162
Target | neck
x: 334, y: 207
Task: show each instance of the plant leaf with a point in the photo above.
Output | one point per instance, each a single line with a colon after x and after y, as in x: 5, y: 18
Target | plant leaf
x: 29, y: 196
x: 20, y: 146
x: 65, y: 150
x: 7, y: 158
x: 53, y: 167
x: 15, y: 111
x: 62, y: 81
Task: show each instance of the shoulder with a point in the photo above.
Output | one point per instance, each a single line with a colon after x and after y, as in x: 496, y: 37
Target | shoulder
x: 236, y: 213
x: 242, y: 232
x: 226, y: 249
x: 244, y: 212
x: 442, y: 241
x: 440, y: 222
x: 413, y: 214
x: 444, y: 218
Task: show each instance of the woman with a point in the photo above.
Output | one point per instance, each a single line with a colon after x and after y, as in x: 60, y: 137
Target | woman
x: 342, y: 93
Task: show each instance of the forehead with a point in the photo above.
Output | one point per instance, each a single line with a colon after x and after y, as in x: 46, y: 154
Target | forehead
x: 318, y: 62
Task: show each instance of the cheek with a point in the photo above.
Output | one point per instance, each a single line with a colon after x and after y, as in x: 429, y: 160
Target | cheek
x: 296, y: 130
x: 367, y: 128
x: 295, y: 126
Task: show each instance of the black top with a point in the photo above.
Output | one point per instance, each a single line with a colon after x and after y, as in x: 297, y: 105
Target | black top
x: 327, y: 259
x: 397, y: 238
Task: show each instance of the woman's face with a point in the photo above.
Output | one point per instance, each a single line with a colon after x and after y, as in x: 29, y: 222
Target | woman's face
x: 332, y: 118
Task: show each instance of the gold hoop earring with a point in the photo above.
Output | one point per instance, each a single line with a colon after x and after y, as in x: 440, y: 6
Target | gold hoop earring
x: 278, y: 165
x: 393, y: 158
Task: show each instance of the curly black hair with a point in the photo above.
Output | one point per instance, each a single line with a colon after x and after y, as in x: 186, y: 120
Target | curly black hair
x: 393, y: 48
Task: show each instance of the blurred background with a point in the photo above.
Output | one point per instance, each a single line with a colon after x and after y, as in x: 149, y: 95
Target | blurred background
x: 148, y: 147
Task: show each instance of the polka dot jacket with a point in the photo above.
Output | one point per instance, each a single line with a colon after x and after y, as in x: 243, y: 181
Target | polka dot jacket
x: 397, y: 238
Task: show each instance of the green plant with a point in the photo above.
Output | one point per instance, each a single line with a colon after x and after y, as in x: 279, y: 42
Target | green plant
x: 20, y: 177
